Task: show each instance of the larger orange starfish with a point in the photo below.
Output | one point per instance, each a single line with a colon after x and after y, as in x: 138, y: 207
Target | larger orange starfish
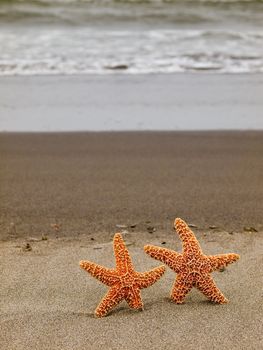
x: 193, y: 268
x: 124, y: 281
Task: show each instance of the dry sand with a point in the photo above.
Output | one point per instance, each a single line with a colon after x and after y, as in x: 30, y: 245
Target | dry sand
x: 88, y: 183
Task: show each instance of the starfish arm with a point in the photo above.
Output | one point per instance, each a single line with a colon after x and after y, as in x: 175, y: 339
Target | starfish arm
x: 216, y: 262
x: 106, y: 276
x: 190, y: 243
x: 114, y: 296
x: 208, y: 287
x: 122, y: 256
x: 146, y: 279
x: 134, y: 299
x: 180, y: 289
x: 167, y: 256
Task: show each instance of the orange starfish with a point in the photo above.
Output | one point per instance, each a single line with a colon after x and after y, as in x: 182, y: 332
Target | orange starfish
x: 193, y: 268
x: 124, y: 281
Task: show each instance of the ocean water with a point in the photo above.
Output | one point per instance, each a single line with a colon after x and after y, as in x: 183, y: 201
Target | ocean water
x: 130, y: 36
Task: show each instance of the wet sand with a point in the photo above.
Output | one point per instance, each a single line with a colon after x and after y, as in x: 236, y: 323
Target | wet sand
x: 89, y: 182
x: 64, y: 194
x: 132, y: 102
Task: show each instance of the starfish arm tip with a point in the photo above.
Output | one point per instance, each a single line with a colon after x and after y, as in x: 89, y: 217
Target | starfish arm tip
x: 221, y: 302
x: 86, y: 265
x: 162, y: 269
x: 222, y: 260
x: 177, y: 302
x: 82, y: 263
x: 181, y: 226
x: 147, y: 279
x: 177, y: 220
x: 150, y: 249
x: 117, y: 235
x: 99, y: 313
x: 113, y: 297
x: 233, y: 257
x: 159, y: 271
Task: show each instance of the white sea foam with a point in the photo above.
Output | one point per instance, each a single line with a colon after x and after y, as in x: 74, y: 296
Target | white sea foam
x: 78, y: 51
x: 108, y: 36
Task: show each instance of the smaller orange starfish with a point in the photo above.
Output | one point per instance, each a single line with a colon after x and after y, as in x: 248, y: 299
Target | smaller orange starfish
x: 193, y: 268
x: 124, y: 281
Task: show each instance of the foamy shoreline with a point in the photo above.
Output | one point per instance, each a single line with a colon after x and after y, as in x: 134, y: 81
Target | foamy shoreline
x: 95, y: 37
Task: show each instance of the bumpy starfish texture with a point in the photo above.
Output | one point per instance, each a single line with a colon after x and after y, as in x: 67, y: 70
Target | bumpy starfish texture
x: 124, y: 281
x: 193, y: 268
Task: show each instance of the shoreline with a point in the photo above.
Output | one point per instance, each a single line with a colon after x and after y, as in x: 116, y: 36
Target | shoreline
x: 131, y: 102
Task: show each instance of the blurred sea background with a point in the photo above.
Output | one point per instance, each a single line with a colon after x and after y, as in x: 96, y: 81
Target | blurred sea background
x: 130, y: 36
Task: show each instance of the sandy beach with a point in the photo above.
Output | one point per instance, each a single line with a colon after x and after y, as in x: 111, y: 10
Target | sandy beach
x: 64, y: 194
